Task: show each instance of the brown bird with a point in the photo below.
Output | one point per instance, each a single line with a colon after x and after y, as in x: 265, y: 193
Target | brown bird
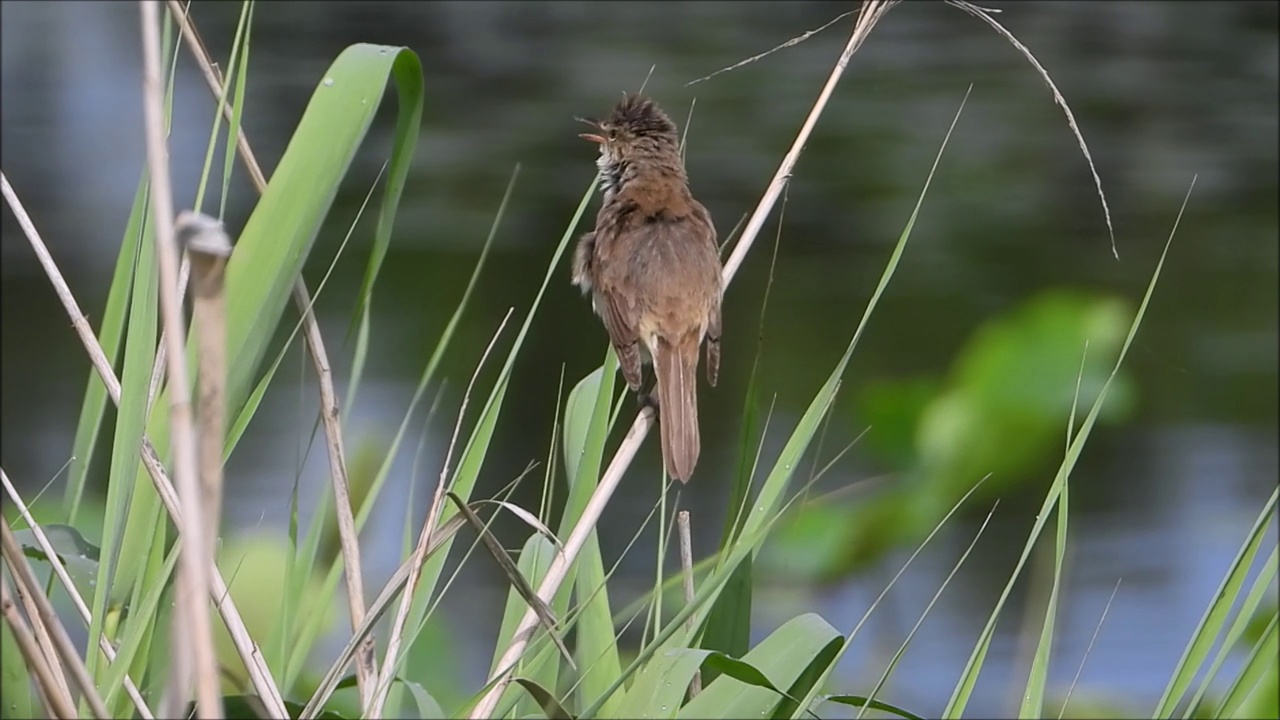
x: 653, y: 270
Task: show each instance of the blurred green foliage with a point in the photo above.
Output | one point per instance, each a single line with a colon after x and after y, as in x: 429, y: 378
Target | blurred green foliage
x: 1001, y: 410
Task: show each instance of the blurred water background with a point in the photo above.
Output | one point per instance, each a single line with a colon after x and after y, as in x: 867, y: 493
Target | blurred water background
x: 1162, y: 91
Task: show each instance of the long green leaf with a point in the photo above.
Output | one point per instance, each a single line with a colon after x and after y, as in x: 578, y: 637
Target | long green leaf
x: 123, y: 532
x: 782, y: 658
x: 597, y: 647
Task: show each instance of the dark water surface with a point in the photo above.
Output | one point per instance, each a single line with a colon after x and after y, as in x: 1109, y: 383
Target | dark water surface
x: 1161, y: 91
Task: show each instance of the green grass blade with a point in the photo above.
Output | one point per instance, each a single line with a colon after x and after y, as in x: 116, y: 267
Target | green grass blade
x: 236, y: 63
x: 1033, y: 697
x: 139, y: 354
x: 127, y: 650
x: 17, y: 693
x: 110, y: 336
x: 897, y: 656
x: 659, y: 689
x: 1257, y: 680
x: 969, y: 676
x: 237, y: 107
x: 1215, y: 615
x: 728, y: 628
x: 1264, y: 581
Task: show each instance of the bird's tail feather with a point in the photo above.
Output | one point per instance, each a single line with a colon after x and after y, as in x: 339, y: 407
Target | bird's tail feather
x: 676, y: 370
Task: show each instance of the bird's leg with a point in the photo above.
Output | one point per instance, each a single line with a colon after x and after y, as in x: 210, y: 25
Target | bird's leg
x: 649, y: 398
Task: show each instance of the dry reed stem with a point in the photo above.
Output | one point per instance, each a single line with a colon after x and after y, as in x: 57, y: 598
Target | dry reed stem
x: 366, y: 662
x: 686, y: 569
x: 194, y: 658
x: 870, y: 13
x: 208, y: 247
x: 53, y: 679
x: 47, y: 682
x: 23, y: 576
x: 44, y: 641
x: 81, y: 606
x: 419, y: 557
x: 248, y: 650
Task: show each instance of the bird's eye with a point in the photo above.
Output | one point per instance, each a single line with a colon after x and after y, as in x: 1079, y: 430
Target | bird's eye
x: 613, y: 134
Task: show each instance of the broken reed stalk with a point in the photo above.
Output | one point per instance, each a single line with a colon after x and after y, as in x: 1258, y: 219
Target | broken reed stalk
x: 870, y: 14
x: 194, y: 658
x: 686, y: 570
x: 209, y: 247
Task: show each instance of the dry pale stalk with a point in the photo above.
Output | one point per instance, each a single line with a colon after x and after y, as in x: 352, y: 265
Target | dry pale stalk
x: 43, y: 640
x: 259, y: 674
x: 686, y: 570
x: 52, y: 688
x: 45, y: 613
x: 192, y: 645
x: 81, y: 607
x: 871, y: 12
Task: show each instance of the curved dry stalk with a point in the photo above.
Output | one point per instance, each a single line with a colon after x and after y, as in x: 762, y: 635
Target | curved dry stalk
x: 366, y: 662
x: 81, y: 606
x: 23, y: 576
x: 984, y: 14
x: 245, y: 646
x: 871, y: 12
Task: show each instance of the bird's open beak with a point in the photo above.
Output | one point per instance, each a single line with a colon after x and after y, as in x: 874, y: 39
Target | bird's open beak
x: 591, y: 136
